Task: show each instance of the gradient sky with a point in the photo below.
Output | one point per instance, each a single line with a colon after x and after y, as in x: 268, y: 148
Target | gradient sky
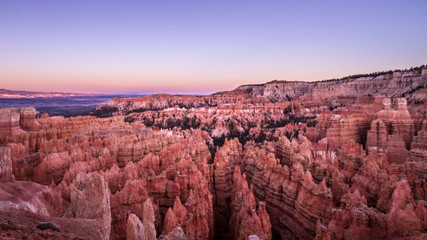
x: 202, y: 46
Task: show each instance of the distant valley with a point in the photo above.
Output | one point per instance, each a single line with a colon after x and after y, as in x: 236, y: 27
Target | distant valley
x: 5, y: 93
x: 55, y: 103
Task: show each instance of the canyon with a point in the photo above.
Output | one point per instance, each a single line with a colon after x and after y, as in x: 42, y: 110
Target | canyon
x: 336, y: 159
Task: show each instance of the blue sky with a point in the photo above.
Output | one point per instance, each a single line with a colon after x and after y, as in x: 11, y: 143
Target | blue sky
x: 202, y: 46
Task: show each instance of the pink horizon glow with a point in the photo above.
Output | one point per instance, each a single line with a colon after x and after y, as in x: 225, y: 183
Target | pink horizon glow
x: 201, y: 47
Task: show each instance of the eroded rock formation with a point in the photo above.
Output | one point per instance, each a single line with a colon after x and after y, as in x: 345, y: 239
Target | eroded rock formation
x: 90, y: 199
x: 6, y: 172
x: 341, y: 159
x: 145, y: 230
x: 246, y: 220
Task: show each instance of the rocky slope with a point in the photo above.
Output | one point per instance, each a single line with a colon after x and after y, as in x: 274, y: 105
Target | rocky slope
x: 340, y: 159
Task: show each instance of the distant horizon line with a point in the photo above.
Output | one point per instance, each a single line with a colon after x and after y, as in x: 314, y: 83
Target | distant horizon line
x: 94, y: 94
x: 151, y: 92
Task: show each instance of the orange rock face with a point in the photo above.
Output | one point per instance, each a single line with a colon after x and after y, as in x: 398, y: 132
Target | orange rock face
x: 142, y: 230
x: 246, y: 220
x: 9, y: 123
x: 90, y: 199
x: 6, y: 172
x: 342, y: 159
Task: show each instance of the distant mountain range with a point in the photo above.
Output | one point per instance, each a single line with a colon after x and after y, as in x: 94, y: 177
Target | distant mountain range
x: 4, y: 93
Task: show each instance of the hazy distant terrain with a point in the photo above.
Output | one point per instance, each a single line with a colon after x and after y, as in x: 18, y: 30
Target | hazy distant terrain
x: 5, y: 93
x: 60, y: 106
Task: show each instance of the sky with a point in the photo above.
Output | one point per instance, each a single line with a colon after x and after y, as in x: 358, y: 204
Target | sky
x: 200, y: 47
